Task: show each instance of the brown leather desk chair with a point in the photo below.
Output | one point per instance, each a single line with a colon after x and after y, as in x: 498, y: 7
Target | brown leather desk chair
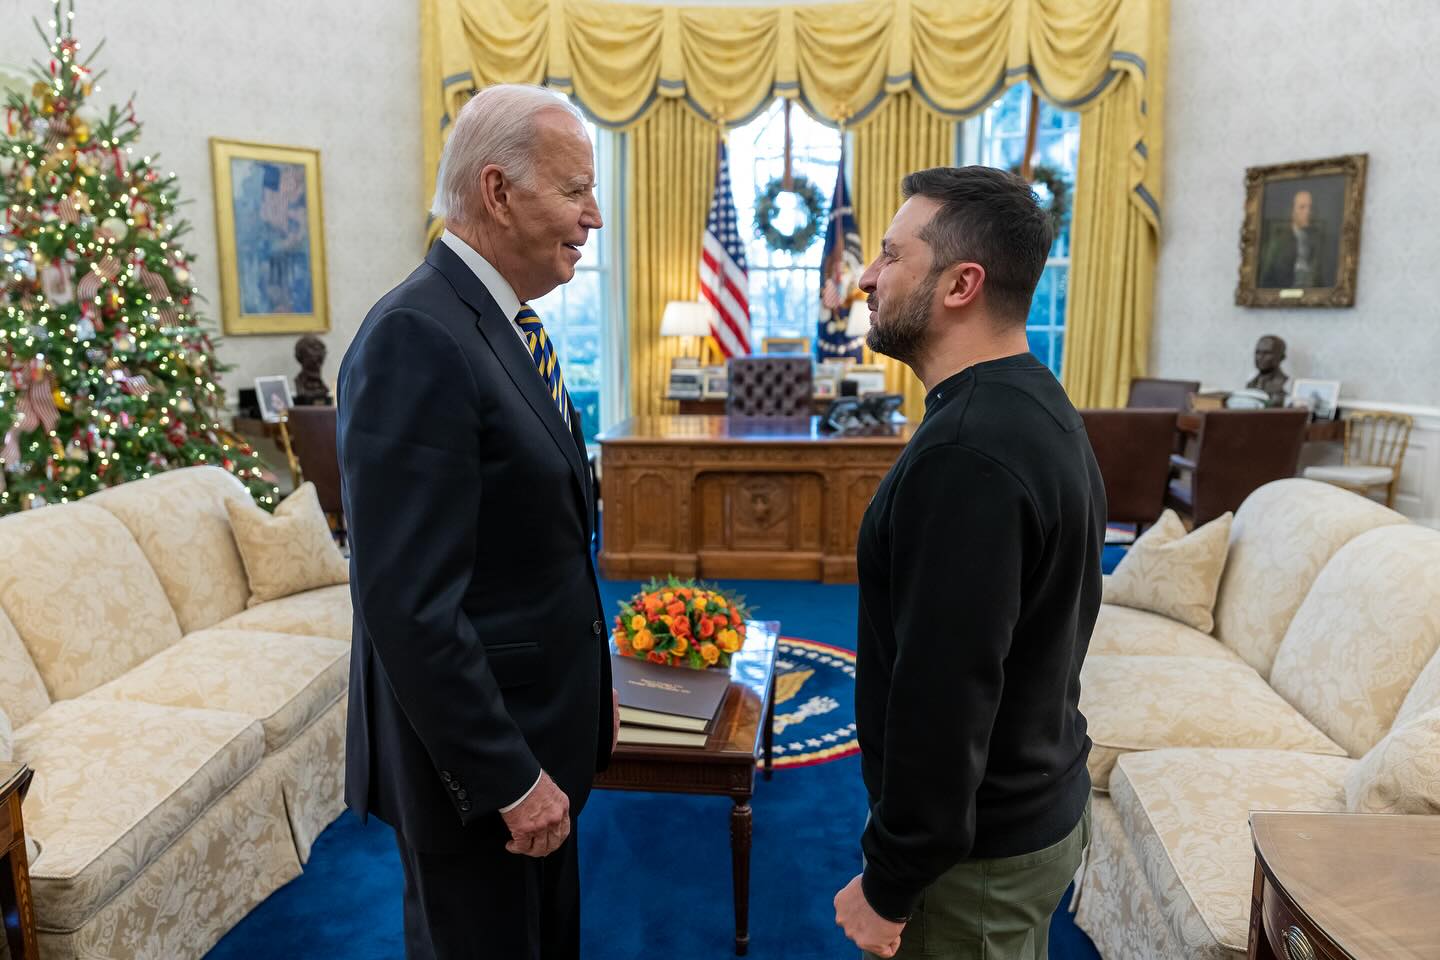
x: 1153, y: 393
x: 312, y: 434
x: 1236, y: 452
x: 773, y: 386
x: 1133, y: 448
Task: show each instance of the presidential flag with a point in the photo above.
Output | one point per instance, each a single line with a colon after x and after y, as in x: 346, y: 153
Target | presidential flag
x: 840, y: 268
x: 724, y: 280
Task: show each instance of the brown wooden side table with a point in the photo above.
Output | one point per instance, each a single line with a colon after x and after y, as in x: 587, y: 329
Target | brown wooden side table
x: 725, y: 766
x: 15, y: 874
x: 1342, y: 886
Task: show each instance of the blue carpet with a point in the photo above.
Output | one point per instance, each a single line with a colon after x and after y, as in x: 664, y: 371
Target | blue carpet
x: 655, y: 867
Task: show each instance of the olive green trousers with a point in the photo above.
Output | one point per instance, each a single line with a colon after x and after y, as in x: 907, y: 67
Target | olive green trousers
x: 995, y: 909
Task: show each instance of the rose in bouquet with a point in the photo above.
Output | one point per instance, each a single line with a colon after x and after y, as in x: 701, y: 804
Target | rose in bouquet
x: 681, y: 623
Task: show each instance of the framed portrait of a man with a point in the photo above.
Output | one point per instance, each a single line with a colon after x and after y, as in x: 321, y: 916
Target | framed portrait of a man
x: 1300, y: 245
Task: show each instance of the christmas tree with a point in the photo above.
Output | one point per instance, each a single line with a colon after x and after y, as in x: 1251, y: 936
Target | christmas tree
x: 107, y: 373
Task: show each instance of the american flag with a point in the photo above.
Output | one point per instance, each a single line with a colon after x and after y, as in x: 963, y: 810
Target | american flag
x: 840, y: 269
x: 724, y: 279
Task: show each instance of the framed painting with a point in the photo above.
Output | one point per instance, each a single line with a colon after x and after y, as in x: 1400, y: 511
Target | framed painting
x: 1300, y: 245
x: 270, y: 232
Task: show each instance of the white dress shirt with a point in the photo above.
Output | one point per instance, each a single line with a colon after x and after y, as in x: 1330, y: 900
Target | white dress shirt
x: 509, y: 304
x: 500, y: 290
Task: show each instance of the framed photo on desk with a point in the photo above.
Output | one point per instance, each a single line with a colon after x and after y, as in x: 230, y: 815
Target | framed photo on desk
x: 800, y: 345
x: 714, y: 383
x: 1321, y: 397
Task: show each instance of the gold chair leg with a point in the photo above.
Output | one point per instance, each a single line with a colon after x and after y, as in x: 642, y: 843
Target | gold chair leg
x: 297, y: 476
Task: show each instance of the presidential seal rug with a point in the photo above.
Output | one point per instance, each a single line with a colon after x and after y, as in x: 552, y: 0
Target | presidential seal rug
x: 814, y: 703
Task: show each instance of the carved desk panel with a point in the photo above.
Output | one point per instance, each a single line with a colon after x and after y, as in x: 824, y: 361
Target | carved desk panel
x: 720, y: 497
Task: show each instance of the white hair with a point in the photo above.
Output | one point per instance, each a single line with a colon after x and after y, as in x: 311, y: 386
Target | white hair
x: 496, y: 126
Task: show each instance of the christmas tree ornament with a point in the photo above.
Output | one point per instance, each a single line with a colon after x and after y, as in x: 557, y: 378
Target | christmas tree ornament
x: 56, y: 284
x: 114, y: 229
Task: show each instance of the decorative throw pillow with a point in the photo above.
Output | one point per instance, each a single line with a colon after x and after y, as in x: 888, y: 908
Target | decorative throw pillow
x: 1401, y: 773
x: 287, y: 552
x: 1174, y: 574
x: 7, y: 738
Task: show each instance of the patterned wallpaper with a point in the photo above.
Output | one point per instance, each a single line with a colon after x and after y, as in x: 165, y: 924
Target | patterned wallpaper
x: 1258, y: 83
x: 332, y: 75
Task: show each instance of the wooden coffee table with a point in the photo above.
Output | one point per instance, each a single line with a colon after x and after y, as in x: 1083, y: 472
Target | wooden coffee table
x: 15, y: 871
x: 1344, y: 886
x: 725, y: 766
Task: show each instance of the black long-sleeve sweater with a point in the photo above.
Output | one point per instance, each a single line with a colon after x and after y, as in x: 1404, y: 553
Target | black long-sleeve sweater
x: 979, y: 564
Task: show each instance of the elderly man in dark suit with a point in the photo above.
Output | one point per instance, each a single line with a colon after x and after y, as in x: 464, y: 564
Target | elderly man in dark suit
x: 481, y: 704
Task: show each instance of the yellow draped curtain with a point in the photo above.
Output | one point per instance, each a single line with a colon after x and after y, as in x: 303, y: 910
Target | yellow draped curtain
x: 670, y: 167
x: 902, y: 136
x: 625, y: 64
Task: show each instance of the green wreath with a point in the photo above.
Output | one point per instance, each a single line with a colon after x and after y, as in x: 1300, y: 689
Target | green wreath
x: 812, y: 204
x: 1059, y: 187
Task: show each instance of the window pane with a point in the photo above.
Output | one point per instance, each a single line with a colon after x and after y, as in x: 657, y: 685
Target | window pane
x: 573, y: 315
x: 1040, y: 314
x: 1062, y: 290
x: 1039, y: 344
x: 784, y: 287
x: 1008, y: 114
x: 1002, y: 131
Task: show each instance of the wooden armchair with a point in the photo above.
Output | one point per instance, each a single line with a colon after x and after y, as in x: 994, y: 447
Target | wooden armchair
x: 1133, y: 450
x: 1375, y: 444
x: 1157, y: 394
x: 1236, y: 452
x: 311, y: 432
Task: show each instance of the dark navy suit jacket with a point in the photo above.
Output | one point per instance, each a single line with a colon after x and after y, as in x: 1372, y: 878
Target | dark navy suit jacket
x: 480, y: 653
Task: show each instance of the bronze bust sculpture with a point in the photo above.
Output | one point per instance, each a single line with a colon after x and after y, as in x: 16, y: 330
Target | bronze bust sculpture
x: 310, y: 388
x: 1269, y: 354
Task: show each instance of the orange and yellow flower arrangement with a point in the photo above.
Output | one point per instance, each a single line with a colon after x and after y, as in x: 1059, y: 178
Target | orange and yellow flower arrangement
x: 681, y: 623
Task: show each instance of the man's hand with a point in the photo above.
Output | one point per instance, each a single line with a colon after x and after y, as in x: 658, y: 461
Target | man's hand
x: 863, y: 925
x: 542, y: 822
x: 614, y: 719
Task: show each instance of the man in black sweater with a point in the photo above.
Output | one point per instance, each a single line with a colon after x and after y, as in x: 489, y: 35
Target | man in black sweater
x: 979, y: 564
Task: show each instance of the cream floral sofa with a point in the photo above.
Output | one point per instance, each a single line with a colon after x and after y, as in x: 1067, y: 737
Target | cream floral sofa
x: 1315, y: 692
x: 187, y: 749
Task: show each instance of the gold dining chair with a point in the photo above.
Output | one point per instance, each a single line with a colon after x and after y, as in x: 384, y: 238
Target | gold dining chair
x: 1375, y: 443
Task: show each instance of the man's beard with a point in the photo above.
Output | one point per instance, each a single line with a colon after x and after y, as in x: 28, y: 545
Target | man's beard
x: 901, y: 334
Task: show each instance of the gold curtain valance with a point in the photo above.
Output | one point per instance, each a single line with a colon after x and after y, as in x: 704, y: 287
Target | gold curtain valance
x: 841, y: 60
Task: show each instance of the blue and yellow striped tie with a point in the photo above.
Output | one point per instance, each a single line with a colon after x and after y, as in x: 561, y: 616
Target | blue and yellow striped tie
x: 542, y: 351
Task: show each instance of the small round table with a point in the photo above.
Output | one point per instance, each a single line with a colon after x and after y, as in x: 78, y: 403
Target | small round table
x: 1340, y: 886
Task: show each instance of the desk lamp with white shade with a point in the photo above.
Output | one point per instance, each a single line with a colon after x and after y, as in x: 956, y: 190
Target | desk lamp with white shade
x: 687, y: 319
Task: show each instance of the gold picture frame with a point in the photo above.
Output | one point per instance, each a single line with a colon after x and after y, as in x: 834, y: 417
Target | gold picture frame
x: 270, y: 233
x: 1300, y: 244
x: 785, y: 345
